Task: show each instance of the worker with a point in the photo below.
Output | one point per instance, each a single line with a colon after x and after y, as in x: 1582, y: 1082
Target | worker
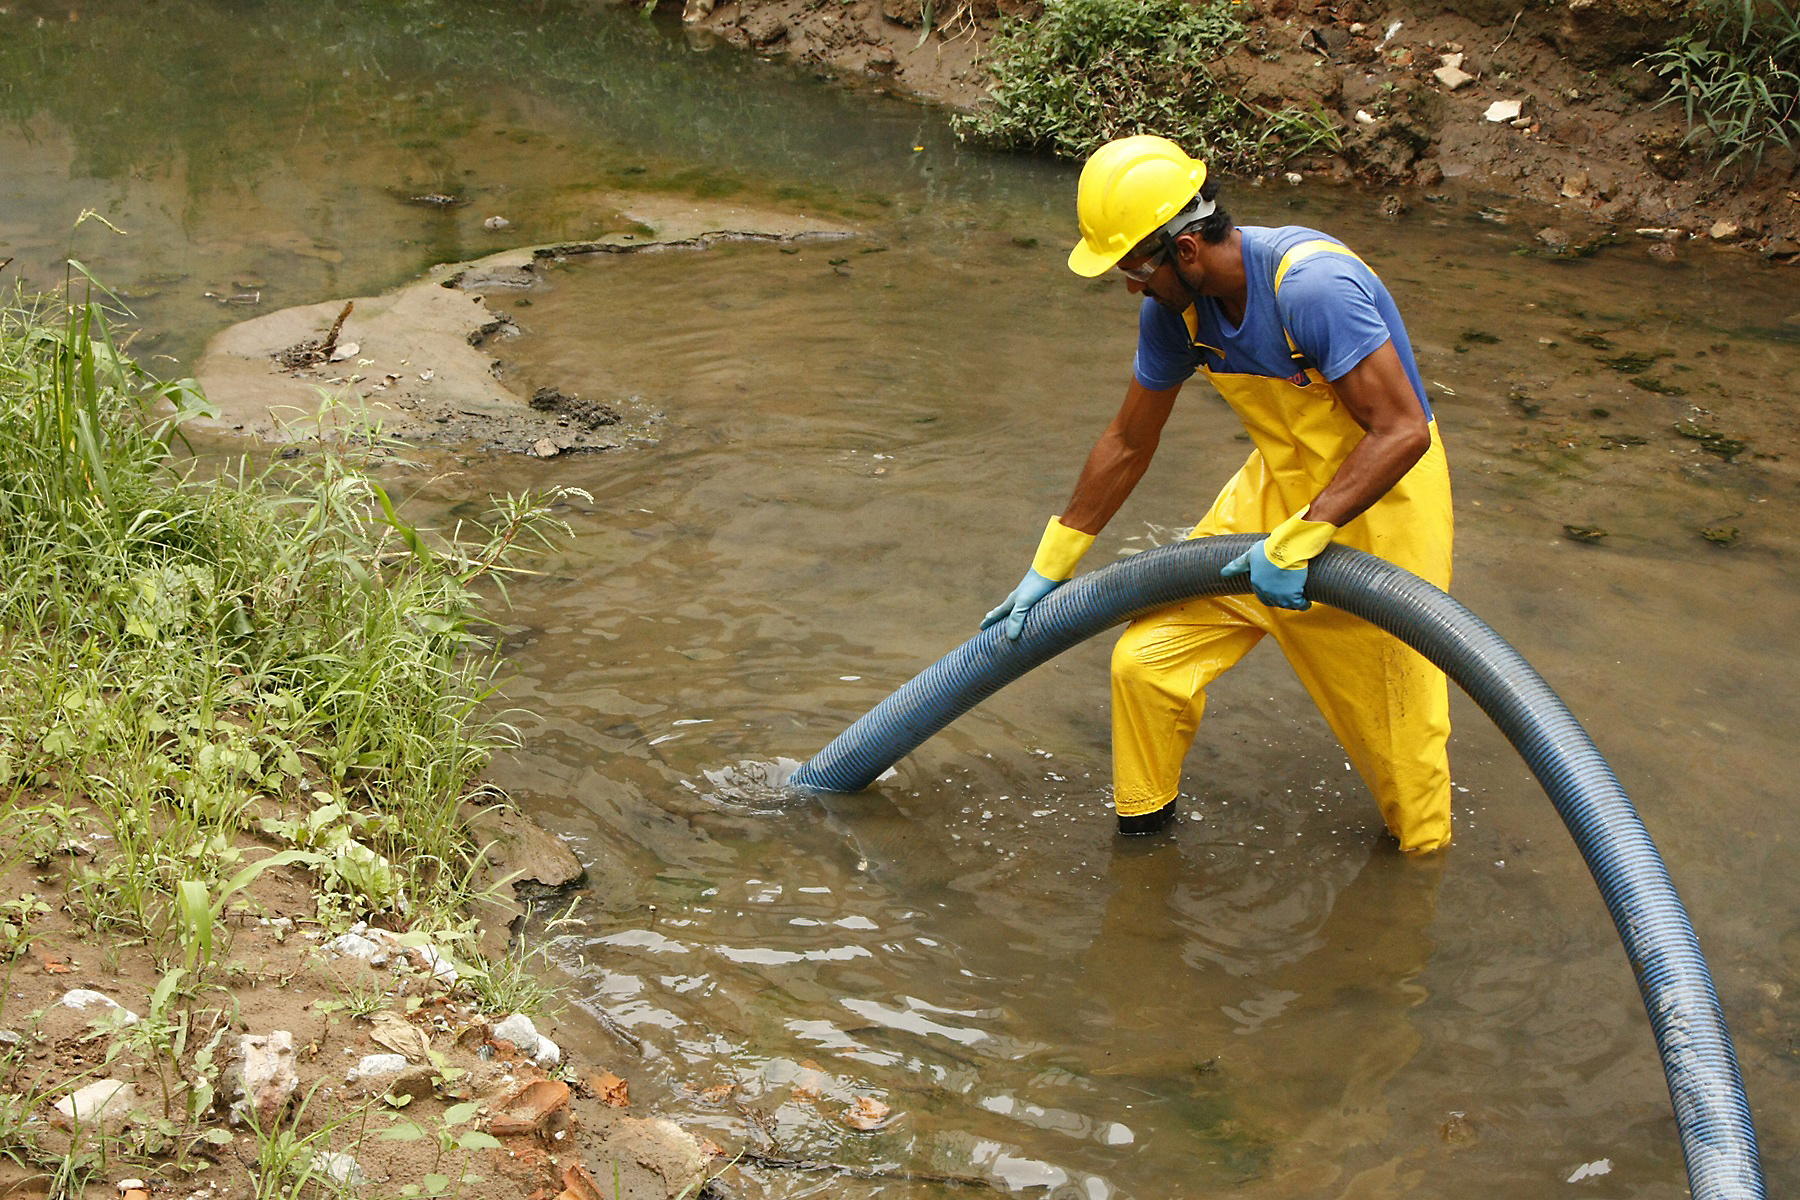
x: 1304, y: 342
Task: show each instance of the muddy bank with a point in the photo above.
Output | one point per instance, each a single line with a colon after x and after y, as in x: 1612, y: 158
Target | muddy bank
x: 425, y: 363
x: 1424, y: 97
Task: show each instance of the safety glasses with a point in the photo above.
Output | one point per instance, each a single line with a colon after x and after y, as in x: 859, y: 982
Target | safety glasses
x: 1144, y: 270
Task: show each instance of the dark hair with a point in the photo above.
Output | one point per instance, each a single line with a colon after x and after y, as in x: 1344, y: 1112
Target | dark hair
x: 1216, y: 227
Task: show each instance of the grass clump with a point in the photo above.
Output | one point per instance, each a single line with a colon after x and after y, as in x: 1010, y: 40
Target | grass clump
x: 1736, y: 74
x: 205, y: 668
x: 1088, y: 71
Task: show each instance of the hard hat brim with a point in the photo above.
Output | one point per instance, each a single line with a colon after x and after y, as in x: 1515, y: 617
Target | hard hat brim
x: 1087, y: 262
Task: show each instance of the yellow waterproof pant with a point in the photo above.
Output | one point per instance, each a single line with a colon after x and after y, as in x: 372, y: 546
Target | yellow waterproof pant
x: 1387, y: 705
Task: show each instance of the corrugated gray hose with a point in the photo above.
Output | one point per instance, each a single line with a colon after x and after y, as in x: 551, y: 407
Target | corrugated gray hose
x: 1711, y: 1111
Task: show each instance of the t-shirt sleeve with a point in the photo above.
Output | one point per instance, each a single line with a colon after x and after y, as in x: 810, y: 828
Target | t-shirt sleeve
x: 1328, y: 305
x: 1165, y: 354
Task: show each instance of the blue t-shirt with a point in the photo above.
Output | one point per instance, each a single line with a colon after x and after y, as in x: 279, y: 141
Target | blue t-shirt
x: 1336, y: 309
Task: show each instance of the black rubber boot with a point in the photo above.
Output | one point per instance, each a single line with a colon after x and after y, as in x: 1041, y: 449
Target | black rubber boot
x: 1150, y: 822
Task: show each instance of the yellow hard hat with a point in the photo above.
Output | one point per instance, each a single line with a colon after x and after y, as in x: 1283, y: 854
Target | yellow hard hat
x: 1129, y: 188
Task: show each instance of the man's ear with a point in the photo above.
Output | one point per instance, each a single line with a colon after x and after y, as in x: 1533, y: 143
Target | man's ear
x: 1187, y: 248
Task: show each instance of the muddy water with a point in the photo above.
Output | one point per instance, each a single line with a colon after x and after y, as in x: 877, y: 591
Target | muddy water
x: 861, y: 440
x: 858, y: 443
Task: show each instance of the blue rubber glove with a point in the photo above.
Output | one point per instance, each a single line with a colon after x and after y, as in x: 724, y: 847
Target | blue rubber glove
x: 1278, y: 587
x: 1031, y: 589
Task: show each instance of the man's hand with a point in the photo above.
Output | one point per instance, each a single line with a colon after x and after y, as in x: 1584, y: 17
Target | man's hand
x: 1277, y: 563
x: 1031, y: 589
x: 1275, y: 586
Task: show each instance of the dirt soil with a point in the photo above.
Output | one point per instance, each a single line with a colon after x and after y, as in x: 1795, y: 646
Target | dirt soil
x: 1410, y: 84
x: 367, y: 1058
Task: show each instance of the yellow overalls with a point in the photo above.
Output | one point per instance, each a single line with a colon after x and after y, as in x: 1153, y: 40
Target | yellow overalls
x: 1388, y: 706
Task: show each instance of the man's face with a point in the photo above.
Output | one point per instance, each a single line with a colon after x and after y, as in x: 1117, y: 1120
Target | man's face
x: 1155, y: 271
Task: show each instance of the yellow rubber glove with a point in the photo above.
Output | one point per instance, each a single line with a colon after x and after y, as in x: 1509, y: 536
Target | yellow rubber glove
x: 1058, y: 553
x: 1277, y: 564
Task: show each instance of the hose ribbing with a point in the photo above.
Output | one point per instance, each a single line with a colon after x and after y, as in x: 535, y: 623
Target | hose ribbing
x: 1711, y: 1111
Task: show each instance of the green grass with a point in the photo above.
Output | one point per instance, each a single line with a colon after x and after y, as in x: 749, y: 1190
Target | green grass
x: 1088, y: 71
x: 1736, y: 74
x: 185, y: 650
x: 210, y: 673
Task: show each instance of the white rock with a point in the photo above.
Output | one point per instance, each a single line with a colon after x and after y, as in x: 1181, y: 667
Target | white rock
x: 1503, y: 110
x: 355, y: 945
x: 1451, y: 60
x: 375, y: 1065
x: 496, y: 223
x: 263, y: 1077
x: 99, y: 1004
x: 1453, y: 77
x: 340, y: 1168
x: 1363, y: 118
x: 345, y: 350
x: 437, y: 962
x: 1293, y: 178
x: 100, y: 1102
x: 519, y: 1030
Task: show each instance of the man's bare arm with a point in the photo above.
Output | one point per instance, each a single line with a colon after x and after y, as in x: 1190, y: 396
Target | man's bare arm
x: 1380, y: 397
x: 1120, y: 457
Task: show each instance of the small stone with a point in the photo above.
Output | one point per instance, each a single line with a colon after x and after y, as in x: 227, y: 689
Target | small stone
x: 1457, y: 1131
x: 1782, y: 249
x: 1575, y: 184
x: 341, y: 1169
x: 373, y: 1066
x: 545, y: 448
x: 430, y: 958
x: 1724, y: 231
x: 1363, y: 118
x: 345, y: 350
x: 1502, y: 111
x: 1453, y: 77
x: 1450, y: 60
x: 495, y: 223
x: 519, y: 1030
x: 355, y: 945
x: 100, y: 1005
x: 1555, y: 240
x: 263, y: 1078
x: 1293, y: 178
x: 100, y: 1102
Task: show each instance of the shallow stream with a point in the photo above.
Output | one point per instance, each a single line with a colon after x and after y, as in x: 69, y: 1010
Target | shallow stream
x: 855, y: 445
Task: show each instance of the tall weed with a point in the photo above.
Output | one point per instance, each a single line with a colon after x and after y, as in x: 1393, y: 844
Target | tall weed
x: 1736, y: 74
x: 1088, y: 71
x: 185, y: 648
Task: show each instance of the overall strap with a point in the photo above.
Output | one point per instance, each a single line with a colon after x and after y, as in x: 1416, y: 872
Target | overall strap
x: 1299, y: 254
